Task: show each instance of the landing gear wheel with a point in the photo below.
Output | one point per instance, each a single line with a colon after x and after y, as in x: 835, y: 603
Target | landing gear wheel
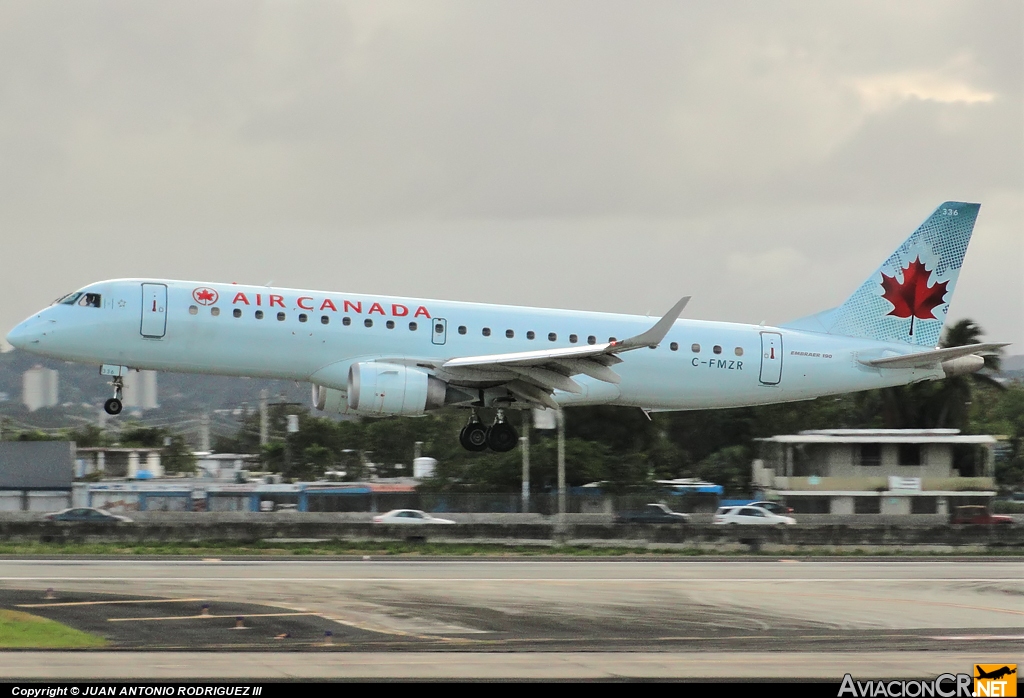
x: 112, y: 406
x: 473, y: 437
x: 502, y: 437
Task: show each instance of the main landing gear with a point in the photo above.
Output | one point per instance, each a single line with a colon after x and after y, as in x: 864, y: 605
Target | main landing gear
x: 500, y: 436
x: 113, y: 406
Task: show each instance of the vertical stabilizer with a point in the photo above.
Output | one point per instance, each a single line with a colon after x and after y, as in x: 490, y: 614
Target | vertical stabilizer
x: 907, y: 298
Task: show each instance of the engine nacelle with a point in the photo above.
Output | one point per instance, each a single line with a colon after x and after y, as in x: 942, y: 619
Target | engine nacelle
x: 963, y: 365
x: 330, y: 400
x: 391, y: 389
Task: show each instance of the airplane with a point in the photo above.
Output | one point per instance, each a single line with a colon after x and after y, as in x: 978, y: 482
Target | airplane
x: 379, y: 356
x: 995, y: 674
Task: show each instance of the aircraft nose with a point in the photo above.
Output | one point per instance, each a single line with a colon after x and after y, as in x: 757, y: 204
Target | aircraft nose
x: 24, y: 335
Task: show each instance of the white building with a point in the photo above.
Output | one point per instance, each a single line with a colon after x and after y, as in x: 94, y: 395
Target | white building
x: 140, y: 390
x: 39, y: 388
x: 876, y: 471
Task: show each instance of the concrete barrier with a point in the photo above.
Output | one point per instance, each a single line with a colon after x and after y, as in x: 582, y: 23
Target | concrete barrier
x: 240, y: 529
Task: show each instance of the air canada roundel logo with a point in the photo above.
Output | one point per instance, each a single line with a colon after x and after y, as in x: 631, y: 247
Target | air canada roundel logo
x: 205, y: 296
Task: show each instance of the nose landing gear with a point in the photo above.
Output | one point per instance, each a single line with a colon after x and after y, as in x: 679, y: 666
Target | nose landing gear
x: 113, y: 406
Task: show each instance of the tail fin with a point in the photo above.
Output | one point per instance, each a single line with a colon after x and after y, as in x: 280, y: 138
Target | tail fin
x: 907, y: 298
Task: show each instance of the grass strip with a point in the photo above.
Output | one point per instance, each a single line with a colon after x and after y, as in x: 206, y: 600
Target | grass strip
x: 25, y: 631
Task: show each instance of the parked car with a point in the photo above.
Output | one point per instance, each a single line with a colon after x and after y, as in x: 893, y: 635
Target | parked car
x: 773, y: 507
x: 409, y: 516
x: 749, y: 515
x: 86, y: 514
x: 652, y: 513
x: 977, y: 515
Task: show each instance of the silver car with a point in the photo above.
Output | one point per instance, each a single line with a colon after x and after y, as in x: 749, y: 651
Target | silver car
x: 409, y: 516
x: 748, y: 515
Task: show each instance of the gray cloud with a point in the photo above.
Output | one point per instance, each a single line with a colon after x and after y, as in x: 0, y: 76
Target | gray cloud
x: 579, y: 154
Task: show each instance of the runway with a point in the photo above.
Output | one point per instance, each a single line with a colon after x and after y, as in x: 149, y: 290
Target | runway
x: 599, y: 618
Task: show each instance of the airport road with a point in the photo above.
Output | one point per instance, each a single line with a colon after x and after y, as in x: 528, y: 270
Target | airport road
x: 717, y: 614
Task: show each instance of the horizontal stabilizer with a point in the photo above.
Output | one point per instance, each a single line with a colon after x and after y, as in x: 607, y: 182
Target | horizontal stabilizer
x: 925, y: 359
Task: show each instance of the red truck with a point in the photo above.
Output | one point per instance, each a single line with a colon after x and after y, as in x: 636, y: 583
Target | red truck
x: 977, y: 515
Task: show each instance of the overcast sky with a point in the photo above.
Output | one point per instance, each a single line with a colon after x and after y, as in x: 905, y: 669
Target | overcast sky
x: 764, y: 157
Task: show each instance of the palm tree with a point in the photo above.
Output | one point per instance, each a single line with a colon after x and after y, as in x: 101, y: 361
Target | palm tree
x: 955, y: 393
x: 945, y: 403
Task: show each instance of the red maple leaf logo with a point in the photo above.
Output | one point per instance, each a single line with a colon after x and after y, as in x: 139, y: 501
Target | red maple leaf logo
x: 205, y: 296
x: 913, y: 298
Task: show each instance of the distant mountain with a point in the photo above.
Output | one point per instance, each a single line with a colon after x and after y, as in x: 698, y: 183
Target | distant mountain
x: 1013, y: 363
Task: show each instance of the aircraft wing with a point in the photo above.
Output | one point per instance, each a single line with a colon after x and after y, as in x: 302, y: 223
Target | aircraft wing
x: 924, y: 359
x: 533, y: 375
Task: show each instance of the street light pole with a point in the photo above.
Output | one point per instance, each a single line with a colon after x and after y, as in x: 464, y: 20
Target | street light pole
x: 561, y: 466
x: 524, y: 444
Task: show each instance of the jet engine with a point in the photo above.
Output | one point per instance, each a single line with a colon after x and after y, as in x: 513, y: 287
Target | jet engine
x: 330, y: 400
x: 391, y: 389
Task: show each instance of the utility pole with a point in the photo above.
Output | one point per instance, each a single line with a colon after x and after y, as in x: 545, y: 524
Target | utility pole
x: 264, y: 419
x: 561, y: 467
x: 204, y: 432
x: 524, y: 446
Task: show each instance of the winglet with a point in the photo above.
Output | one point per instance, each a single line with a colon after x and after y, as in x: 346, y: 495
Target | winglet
x: 653, y: 336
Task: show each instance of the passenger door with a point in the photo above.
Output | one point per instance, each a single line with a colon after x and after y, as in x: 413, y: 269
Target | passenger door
x: 771, y: 358
x: 154, y: 310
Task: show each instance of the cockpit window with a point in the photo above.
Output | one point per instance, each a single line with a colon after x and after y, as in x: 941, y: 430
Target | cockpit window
x: 68, y: 299
x: 90, y: 300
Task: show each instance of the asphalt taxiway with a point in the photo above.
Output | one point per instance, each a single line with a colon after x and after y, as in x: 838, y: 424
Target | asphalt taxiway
x: 587, y: 618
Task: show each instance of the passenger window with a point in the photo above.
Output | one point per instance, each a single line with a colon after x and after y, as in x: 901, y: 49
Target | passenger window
x: 280, y: 317
x: 462, y: 329
x: 193, y: 310
x: 237, y: 312
x: 259, y: 314
x: 531, y: 334
x: 413, y: 326
x: 486, y: 332
x: 346, y: 321
x: 552, y: 337
x: 674, y: 346
x: 573, y: 339
x: 390, y: 324
x: 695, y: 348
x: 612, y: 340
x: 510, y: 334
x: 303, y: 317
x: 739, y: 351
x: 717, y: 349
x: 215, y: 311
x: 591, y: 339
x: 368, y: 322
x: 324, y: 319
x: 439, y: 328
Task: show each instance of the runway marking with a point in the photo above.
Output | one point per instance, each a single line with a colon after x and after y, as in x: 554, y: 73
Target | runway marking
x: 211, y: 615
x: 551, y: 580
x: 977, y: 637
x: 102, y: 603
x: 886, y: 600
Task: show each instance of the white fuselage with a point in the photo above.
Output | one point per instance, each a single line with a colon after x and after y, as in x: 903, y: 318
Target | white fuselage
x: 314, y: 336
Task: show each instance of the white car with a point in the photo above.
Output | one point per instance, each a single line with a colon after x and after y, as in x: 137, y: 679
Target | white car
x: 409, y: 516
x: 751, y: 516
